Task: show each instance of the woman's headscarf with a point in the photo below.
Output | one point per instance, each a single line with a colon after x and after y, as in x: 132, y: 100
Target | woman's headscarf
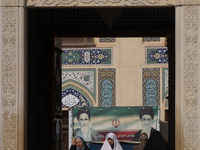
x: 85, y: 147
x: 106, y: 145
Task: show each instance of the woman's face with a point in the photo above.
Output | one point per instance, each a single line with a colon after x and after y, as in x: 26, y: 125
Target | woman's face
x: 110, y: 141
x: 79, y: 143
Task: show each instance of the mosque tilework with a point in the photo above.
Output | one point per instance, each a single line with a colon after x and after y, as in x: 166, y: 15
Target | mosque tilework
x: 151, y: 39
x: 165, y: 82
x: 107, y: 87
x: 107, y: 39
x: 72, y: 97
x: 156, y: 55
x: 83, y: 77
x: 87, y: 56
x: 151, y: 86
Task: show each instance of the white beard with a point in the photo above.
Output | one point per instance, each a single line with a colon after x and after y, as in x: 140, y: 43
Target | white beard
x: 85, y: 131
x: 147, y: 130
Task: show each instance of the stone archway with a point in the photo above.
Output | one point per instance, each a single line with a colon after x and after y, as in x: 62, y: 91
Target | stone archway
x: 14, y: 77
x: 39, y: 50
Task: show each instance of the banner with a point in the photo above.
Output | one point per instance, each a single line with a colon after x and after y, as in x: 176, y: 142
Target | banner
x: 93, y: 123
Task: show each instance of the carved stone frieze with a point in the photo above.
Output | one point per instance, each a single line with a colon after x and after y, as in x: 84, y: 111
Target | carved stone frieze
x: 13, y: 3
x: 191, y: 2
x: 67, y: 2
x: 96, y: 3
x: 9, y: 90
x: 9, y: 2
x: 191, y: 77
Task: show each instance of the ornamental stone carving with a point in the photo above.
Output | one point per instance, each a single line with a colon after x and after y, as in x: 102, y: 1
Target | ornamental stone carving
x: 96, y: 3
x: 9, y: 2
x: 191, y: 77
x: 9, y: 80
x: 9, y: 63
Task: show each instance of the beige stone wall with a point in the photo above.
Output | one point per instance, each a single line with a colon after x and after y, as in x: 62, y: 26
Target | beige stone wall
x: 191, y: 76
x: 128, y: 60
x: 187, y: 104
x: 12, y: 69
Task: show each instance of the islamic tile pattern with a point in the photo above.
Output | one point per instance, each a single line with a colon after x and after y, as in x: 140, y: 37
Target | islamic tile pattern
x: 87, y: 56
x: 72, y: 97
x: 151, y: 86
x: 107, y: 39
x: 165, y: 74
x: 106, y: 86
x: 84, y: 77
x: 151, y: 39
x: 156, y: 55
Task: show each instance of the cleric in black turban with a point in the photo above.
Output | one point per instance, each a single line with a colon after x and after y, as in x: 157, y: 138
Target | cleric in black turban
x: 83, y: 110
x: 155, y: 141
x: 85, y: 131
x: 146, y: 110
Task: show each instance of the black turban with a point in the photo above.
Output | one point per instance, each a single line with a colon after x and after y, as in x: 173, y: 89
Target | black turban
x: 147, y: 110
x: 83, y: 110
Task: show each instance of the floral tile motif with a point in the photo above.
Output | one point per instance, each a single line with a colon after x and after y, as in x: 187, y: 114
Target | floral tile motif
x: 107, y: 39
x: 87, y: 56
x: 151, y: 39
x: 151, y: 86
x: 107, y: 87
x: 73, y: 98
x: 84, y: 77
x: 156, y: 55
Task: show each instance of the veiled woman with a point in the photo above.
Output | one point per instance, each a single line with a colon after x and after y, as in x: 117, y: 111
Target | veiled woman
x: 79, y: 144
x: 111, y: 143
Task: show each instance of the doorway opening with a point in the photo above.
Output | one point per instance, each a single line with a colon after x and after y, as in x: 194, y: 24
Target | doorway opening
x: 96, y: 24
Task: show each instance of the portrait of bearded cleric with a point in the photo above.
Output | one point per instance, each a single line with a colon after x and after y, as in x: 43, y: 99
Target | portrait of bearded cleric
x: 155, y: 139
x: 84, y: 130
